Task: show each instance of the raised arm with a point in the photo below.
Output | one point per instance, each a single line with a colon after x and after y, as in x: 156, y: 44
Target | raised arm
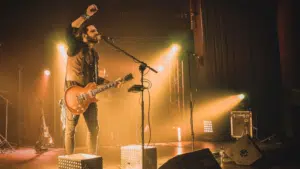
x: 72, y: 38
x: 90, y: 11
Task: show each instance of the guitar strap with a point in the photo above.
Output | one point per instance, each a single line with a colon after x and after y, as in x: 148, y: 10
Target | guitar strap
x: 96, y: 57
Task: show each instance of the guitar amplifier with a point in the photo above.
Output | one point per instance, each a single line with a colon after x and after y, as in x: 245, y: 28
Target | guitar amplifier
x: 241, y: 123
x: 80, y: 161
x: 131, y: 157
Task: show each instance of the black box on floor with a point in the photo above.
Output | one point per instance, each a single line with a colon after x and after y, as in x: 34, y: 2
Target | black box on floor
x: 131, y: 157
x: 80, y: 161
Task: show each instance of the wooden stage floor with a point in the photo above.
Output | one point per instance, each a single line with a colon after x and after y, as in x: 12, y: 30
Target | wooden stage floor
x: 274, y: 156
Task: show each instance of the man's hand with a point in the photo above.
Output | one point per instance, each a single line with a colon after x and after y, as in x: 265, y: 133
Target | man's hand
x: 102, y: 72
x: 91, y: 10
x: 119, y: 84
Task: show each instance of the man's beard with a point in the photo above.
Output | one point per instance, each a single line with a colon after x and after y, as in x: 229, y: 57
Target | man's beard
x: 93, y: 40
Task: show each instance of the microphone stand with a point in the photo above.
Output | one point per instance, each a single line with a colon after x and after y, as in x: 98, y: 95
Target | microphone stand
x: 142, y: 68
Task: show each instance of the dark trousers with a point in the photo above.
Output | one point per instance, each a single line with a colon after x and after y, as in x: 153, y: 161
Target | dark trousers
x: 90, y: 116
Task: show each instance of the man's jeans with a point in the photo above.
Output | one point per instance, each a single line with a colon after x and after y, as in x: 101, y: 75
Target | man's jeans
x: 90, y: 116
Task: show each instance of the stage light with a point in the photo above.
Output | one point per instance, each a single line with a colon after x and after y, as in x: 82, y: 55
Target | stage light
x: 173, y: 51
x: 60, y: 47
x: 179, y: 134
x: 47, y: 72
x: 208, y: 128
x: 62, y: 50
x: 160, y: 68
x: 175, y: 48
x: 241, y: 96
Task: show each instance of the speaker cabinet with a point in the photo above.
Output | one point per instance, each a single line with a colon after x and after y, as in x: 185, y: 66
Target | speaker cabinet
x: 244, y: 151
x: 201, y: 159
x: 131, y: 157
x: 241, y: 123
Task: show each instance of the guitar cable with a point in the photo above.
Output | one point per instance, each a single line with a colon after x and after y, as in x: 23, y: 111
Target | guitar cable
x: 149, y: 105
x: 149, y: 118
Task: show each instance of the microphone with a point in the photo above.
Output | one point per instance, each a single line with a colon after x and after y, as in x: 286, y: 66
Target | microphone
x: 107, y: 38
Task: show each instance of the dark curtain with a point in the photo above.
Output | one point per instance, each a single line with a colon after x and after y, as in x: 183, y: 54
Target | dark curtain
x: 288, y: 33
x: 241, y: 53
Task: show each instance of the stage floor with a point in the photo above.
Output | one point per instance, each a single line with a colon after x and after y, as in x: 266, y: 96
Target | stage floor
x: 276, y: 156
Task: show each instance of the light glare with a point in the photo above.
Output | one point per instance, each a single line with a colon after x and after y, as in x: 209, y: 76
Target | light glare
x: 179, y: 134
x: 62, y: 50
x: 47, y: 72
x: 241, y: 96
x: 175, y: 48
x: 61, y: 47
x: 160, y: 68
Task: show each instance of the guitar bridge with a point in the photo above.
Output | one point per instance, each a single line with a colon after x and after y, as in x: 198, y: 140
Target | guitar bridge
x: 80, y: 98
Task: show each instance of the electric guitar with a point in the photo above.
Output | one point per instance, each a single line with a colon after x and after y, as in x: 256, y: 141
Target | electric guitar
x: 77, y: 99
x: 45, y: 139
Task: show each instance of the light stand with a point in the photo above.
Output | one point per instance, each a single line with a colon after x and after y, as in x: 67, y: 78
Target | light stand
x: 142, y: 68
x: 191, y: 104
x: 3, y: 140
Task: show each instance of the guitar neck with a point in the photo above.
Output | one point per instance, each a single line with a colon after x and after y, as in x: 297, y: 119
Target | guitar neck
x: 43, y: 118
x: 112, y: 84
x: 103, y: 88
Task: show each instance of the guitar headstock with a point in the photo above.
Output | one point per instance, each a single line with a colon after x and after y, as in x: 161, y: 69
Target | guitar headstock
x: 127, y: 78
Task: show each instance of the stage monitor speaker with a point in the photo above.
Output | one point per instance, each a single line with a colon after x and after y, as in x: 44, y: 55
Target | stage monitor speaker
x: 131, y: 157
x: 241, y: 123
x: 201, y: 159
x: 244, y: 151
x: 80, y: 161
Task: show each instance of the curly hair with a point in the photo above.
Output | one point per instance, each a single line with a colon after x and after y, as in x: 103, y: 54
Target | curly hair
x: 84, y: 28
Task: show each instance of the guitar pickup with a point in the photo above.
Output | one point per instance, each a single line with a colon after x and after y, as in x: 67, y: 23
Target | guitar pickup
x: 136, y: 88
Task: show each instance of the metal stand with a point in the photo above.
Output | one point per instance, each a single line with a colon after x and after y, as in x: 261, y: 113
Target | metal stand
x: 191, y: 104
x: 3, y: 140
x: 142, y: 68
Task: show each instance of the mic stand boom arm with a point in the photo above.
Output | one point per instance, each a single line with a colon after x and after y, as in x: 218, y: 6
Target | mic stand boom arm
x: 142, y: 68
x: 134, y: 58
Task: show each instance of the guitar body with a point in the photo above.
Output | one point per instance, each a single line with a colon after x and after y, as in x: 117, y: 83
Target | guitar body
x: 45, y: 140
x: 74, y: 103
x: 78, y: 99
